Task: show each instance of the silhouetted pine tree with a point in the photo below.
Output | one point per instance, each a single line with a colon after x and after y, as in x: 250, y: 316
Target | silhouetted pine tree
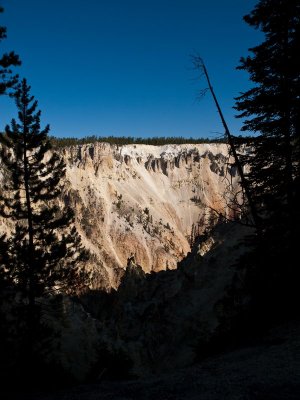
x: 272, y: 110
x: 7, y: 81
x: 44, y: 250
x: 7, y: 60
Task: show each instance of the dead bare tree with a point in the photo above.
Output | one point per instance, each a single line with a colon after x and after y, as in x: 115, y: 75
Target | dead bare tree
x: 199, y: 65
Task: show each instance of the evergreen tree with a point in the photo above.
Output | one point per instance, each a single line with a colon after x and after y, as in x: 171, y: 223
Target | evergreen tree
x: 7, y: 60
x: 271, y: 110
x: 44, y: 251
x: 7, y: 81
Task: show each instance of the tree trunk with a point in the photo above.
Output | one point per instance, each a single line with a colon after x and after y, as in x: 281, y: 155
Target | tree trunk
x: 244, y: 183
x: 30, y: 256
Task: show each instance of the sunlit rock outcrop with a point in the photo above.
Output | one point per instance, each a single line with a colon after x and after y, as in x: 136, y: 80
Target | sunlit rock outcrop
x: 144, y: 201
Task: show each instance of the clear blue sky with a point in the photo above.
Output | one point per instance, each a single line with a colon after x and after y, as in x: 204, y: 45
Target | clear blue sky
x: 123, y: 67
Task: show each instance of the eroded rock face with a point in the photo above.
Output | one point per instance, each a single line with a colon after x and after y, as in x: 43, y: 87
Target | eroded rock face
x: 143, y: 201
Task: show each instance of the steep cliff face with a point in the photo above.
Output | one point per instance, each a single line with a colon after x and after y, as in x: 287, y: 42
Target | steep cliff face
x: 144, y: 201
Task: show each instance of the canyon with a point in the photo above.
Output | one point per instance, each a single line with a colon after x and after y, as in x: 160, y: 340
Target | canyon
x: 160, y: 264
x: 145, y: 203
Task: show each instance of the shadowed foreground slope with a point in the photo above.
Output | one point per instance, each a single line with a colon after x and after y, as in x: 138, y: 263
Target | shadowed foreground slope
x: 268, y: 369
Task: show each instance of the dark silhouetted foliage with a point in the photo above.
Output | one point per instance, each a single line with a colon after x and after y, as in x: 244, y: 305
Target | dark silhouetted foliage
x: 42, y: 254
x: 271, y: 110
x: 44, y: 251
x: 7, y: 61
x: 123, y: 140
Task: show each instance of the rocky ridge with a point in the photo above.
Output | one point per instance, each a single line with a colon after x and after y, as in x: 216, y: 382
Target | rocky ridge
x: 144, y: 201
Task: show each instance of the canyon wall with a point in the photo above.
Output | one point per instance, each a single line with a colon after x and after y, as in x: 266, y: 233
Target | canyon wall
x: 144, y: 202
